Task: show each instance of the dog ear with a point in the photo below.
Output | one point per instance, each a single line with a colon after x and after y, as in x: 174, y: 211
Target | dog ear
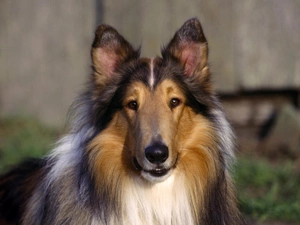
x: 190, y: 48
x: 109, y: 51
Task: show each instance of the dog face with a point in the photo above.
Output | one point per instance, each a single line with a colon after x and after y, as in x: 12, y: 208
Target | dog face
x: 154, y: 113
x: 154, y: 117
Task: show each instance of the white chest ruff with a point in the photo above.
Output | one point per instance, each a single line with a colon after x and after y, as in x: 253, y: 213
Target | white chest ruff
x: 165, y: 203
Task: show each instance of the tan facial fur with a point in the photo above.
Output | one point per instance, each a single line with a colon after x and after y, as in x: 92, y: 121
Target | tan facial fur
x: 188, y: 136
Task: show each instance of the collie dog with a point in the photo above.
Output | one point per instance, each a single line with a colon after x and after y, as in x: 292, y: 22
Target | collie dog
x: 149, y: 144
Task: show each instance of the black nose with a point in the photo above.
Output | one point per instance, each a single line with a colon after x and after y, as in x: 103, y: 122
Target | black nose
x: 157, y: 153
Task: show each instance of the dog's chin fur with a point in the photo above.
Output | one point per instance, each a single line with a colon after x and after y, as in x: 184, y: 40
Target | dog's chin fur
x: 165, y: 202
x: 149, y: 144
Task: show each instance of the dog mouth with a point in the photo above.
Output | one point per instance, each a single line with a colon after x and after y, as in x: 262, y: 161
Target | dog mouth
x: 157, y: 172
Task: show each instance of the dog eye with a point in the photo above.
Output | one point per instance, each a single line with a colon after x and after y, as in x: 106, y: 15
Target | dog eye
x: 174, y: 102
x: 133, y: 105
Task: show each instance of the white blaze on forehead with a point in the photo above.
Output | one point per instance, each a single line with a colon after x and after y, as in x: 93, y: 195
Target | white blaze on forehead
x: 151, y: 78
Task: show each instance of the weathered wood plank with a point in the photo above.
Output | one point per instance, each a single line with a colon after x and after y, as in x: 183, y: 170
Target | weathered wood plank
x: 44, y: 56
x: 267, y: 44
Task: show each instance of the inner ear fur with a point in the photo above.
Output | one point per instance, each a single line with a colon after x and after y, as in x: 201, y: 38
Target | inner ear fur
x: 189, y: 47
x: 109, y: 51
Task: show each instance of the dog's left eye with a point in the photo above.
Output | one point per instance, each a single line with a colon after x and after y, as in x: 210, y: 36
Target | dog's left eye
x: 133, y: 105
x: 174, y: 102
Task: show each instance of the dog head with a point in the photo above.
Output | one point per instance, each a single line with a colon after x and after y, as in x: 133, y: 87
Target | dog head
x: 153, y: 113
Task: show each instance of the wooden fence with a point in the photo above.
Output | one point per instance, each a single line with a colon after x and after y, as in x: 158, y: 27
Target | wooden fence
x: 44, y: 45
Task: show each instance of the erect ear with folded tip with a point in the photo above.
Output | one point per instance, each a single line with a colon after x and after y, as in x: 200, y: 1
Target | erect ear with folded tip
x: 189, y: 47
x: 109, y: 51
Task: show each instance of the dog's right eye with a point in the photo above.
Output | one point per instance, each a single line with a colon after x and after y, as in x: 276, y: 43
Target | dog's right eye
x: 174, y: 102
x: 133, y: 105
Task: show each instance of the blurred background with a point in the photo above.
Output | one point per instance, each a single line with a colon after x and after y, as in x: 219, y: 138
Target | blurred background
x: 254, y: 57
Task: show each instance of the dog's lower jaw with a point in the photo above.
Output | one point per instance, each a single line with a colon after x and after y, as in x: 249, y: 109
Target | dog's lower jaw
x: 155, y: 175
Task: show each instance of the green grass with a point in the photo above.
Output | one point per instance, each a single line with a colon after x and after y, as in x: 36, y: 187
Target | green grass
x: 23, y: 138
x: 267, y: 191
